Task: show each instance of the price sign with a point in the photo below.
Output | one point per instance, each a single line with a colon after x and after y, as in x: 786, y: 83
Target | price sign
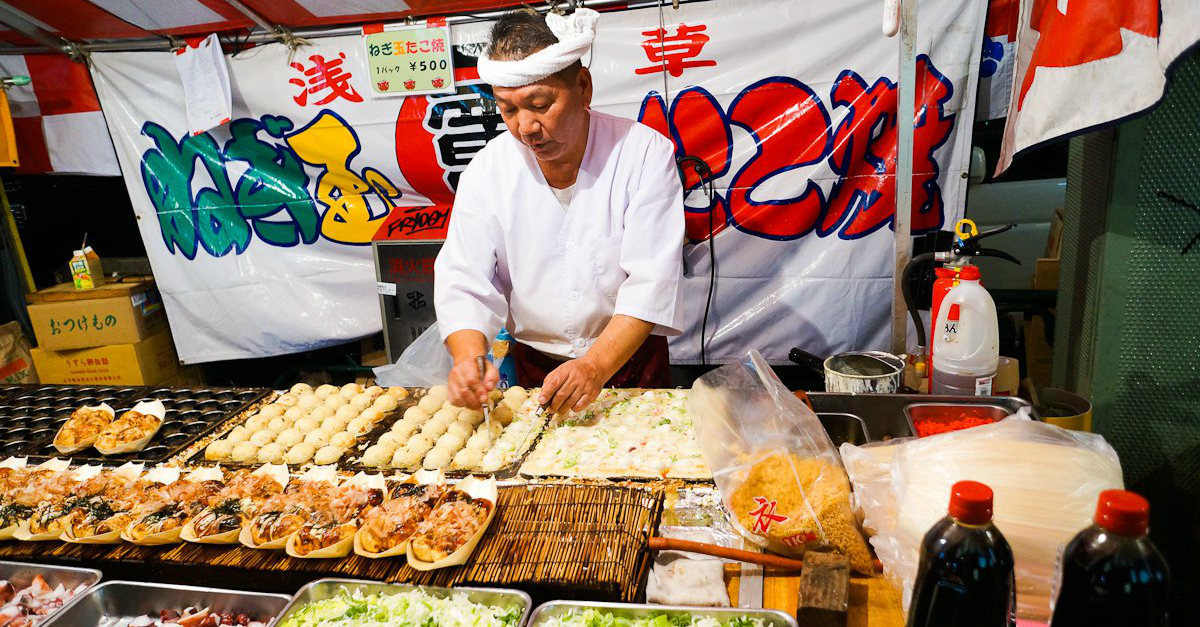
x: 409, y: 60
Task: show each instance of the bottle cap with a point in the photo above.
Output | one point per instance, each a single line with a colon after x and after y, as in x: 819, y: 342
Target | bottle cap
x: 945, y: 272
x: 1123, y: 513
x: 969, y: 273
x: 971, y: 503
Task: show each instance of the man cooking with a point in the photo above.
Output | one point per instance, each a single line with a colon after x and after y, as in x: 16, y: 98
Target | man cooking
x: 566, y: 230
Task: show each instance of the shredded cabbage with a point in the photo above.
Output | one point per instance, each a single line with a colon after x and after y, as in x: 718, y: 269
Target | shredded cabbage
x: 597, y: 618
x: 414, y: 608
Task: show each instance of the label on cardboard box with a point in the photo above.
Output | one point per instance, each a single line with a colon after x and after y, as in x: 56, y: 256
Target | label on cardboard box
x: 64, y: 325
x: 148, y: 362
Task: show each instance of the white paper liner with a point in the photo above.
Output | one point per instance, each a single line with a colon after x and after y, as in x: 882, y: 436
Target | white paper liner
x: 162, y: 474
x: 67, y: 450
x: 83, y: 473
x: 208, y: 473
x: 15, y: 463
x: 484, y: 489
x: 328, y: 474
x: 54, y: 464
x: 367, y: 481
x: 278, y: 472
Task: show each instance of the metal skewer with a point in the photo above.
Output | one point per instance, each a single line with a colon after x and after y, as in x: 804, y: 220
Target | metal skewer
x: 481, y: 362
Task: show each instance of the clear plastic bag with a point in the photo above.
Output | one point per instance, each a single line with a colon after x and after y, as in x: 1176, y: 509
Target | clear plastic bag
x: 1045, y: 480
x: 780, y: 478
x: 424, y: 363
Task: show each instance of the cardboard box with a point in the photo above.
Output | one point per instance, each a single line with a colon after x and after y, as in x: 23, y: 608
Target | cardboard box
x: 1045, y: 274
x: 64, y: 318
x: 149, y: 362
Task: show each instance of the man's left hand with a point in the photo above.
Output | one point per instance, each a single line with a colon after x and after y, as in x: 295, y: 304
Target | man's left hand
x: 573, y: 386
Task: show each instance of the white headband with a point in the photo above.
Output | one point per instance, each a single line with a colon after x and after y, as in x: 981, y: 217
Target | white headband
x: 575, y: 36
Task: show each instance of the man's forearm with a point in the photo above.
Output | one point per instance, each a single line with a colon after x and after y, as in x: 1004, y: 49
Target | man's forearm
x: 466, y: 345
x: 618, y: 342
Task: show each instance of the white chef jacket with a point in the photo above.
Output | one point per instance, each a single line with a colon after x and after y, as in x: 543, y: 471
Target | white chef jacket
x: 554, y: 278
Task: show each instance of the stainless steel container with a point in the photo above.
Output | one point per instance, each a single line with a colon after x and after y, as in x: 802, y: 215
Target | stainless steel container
x: 21, y: 574
x: 114, y: 601
x: 883, y: 416
x: 869, y: 372
x: 773, y: 618
x: 326, y: 588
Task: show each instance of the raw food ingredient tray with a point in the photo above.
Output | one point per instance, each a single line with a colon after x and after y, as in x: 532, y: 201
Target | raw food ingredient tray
x: 112, y: 602
x: 772, y: 618
x: 326, y: 588
x: 21, y: 574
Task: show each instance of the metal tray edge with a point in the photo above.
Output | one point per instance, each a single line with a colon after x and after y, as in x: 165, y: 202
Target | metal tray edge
x: 787, y: 619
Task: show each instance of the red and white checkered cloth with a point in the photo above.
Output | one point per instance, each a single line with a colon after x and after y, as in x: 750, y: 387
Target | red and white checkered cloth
x: 57, y: 118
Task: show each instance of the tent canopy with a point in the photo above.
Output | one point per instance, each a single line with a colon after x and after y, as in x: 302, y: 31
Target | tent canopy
x: 93, y: 21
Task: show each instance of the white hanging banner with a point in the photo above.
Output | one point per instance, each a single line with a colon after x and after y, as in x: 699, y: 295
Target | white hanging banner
x: 259, y: 230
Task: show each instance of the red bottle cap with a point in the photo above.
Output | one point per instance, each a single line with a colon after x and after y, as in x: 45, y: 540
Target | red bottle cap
x: 971, y: 503
x: 969, y: 273
x: 1123, y: 513
x: 945, y: 273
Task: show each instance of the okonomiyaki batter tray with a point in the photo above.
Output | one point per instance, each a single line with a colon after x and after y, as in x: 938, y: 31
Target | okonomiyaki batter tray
x: 190, y: 414
x: 623, y: 434
x: 32, y: 416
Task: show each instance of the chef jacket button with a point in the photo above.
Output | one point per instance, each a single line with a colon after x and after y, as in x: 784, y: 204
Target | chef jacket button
x: 580, y: 343
x: 574, y: 295
x: 570, y: 244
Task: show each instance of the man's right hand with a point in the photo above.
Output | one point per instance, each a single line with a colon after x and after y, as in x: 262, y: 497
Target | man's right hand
x: 466, y: 387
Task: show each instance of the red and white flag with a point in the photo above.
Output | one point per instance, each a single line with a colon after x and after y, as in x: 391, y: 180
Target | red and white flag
x: 57, y: 118
x: 1084, y: 63
x: 997, y: 59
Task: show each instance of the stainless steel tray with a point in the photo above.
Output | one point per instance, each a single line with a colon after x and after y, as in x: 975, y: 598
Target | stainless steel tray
x: 877, y: 417
x: 325, y: 588
x: 774, y: 618
x: 113, y: 601
x: 21, y: 574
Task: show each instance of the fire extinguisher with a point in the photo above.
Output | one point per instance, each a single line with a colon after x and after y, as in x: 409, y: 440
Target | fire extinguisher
x: 966, y: 247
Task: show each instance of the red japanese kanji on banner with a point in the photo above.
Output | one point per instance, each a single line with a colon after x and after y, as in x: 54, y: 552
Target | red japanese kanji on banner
x: 327, y: 78
x: 676, y: 52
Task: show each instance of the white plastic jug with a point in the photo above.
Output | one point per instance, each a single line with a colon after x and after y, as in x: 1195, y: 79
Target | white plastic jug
x: 968, y: 338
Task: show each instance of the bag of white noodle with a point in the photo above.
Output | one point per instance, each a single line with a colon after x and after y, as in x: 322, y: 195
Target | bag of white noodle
x: 1045, y: 479
x: 780, y: 478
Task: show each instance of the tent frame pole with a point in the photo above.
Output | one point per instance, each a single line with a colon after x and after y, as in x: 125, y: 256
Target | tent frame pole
x: 271, y: 33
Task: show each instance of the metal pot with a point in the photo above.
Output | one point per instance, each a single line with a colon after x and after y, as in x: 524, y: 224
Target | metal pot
x: 861, y: 372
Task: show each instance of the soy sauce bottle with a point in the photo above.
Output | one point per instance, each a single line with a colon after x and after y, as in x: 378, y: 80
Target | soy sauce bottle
x: 1111, y: 574
x: 965, y: 577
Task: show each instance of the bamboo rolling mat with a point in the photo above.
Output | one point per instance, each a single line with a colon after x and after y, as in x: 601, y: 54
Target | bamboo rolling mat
x: 589, y: 540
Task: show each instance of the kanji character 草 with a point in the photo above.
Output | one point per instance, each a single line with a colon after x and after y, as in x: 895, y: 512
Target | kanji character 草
x: 675, y: 53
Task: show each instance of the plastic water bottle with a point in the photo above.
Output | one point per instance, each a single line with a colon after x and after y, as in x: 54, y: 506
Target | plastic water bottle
x: 968, y: 339
x: 965, y: 577
x: 1110, y: 574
